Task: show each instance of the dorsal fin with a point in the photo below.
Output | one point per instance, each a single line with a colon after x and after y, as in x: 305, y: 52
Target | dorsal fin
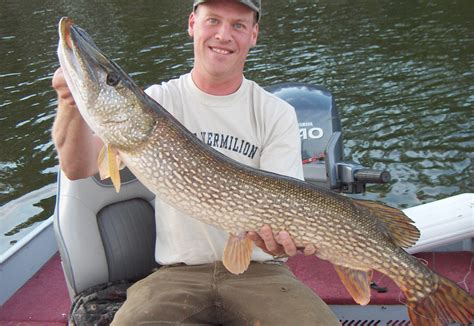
x: 400, y: 226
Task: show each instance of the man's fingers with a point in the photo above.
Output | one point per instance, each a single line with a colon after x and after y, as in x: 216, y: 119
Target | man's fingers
x: 58, y: 81
x: 256, y: 239
x: 62, y: 89
x: 309, y: 250
x: 266, y: 234
x: 280, y: 245
x: 253, y: 236
x: 288, y: 245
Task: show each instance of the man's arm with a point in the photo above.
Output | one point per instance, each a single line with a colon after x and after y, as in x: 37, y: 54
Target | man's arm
x: 77, y: 146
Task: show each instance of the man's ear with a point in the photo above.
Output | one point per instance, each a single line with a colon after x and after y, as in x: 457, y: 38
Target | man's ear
x: 191, y: 22
x: 255, y: 31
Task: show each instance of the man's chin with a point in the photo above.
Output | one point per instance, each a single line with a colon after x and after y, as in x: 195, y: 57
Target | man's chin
x: 219, y: 68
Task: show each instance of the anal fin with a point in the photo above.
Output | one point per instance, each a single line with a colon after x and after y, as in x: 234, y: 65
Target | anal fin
x: 357, y: 283
x: 237, y: 254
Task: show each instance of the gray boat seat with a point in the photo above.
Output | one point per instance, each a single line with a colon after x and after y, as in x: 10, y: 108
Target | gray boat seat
x: 104, y: 236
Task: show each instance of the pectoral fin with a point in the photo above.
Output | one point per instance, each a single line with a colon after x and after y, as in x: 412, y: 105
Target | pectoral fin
x: 237, y: 254
x: 357, y: 283
x: 103, y: 164
x: 109, y: 163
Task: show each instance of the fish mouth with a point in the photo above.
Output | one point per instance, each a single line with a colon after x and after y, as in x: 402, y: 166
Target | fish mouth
x: 80, y: 51
x: 80, y: 56
x: 76, y: 39
x: 65, y: 25
x: 83, y: 55
x: 87, y: 70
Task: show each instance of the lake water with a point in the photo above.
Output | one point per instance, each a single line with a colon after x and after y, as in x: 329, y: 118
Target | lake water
x: 401, y: 73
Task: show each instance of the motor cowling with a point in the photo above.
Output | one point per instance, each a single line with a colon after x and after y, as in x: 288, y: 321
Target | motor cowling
x: 321, y: 140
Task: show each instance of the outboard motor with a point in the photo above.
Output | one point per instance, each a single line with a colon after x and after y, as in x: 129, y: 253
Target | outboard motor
x: 321, y: 140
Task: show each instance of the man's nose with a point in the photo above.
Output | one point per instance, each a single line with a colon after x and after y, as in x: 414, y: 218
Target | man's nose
x: 224, y: 33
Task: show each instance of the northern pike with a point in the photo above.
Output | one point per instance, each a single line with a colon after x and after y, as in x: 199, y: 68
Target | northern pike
x: 356, y: 236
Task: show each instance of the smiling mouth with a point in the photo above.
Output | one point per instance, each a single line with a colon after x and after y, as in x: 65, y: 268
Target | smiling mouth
x: 220, y: 51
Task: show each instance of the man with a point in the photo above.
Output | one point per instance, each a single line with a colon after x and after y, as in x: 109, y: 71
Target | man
x: 219, y: 105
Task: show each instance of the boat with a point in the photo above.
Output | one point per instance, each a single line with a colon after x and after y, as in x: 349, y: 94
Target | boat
x: 97, y: 237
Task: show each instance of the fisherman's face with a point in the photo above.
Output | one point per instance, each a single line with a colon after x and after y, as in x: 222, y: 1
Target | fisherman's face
x: 223, y: 32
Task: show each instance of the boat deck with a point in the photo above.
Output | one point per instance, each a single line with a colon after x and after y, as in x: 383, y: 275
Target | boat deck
x: 44, y: 299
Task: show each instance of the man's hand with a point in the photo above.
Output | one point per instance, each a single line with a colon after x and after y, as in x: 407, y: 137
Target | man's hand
x: 64, y: 94
x: 280, y: 245
x: 77, y: 146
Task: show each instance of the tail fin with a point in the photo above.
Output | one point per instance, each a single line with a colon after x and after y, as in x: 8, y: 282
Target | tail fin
x: 449, y: 303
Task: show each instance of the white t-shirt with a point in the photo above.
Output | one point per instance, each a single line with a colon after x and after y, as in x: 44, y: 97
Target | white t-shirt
x: 251, y: 126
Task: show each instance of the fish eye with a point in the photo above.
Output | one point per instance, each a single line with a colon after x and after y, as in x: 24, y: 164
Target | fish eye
x: 112, y: 79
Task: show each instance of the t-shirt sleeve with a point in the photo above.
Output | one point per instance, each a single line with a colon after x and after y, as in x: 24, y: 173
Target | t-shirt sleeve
x: 162, y: 95
x: 155, y: 92
x: 282, y: 151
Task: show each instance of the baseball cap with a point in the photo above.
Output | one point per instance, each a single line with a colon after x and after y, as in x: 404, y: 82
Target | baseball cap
x: 255, y: 5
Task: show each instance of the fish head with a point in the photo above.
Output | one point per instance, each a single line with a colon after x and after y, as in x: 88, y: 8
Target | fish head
x: 113, y: 106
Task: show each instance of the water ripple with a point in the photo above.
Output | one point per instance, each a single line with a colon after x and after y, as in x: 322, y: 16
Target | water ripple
x: 402, y: 77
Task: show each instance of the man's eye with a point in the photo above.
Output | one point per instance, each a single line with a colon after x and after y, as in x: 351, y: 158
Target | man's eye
x: 212, y: 21
x: 238, y: 26
x: 112, y: 79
